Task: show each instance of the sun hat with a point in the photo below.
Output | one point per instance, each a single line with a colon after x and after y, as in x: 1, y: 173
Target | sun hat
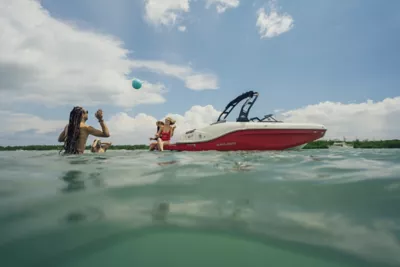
x: 171, y: 120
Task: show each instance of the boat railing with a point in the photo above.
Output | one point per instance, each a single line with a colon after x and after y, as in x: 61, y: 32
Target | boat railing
x: 267, y: 118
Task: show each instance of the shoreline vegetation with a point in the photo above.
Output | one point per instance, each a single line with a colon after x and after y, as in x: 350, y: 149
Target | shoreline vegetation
x: 321, y: 144
x: 325, y: 144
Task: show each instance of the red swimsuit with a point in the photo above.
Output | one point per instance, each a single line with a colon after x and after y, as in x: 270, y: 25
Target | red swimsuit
x: 166, y: 136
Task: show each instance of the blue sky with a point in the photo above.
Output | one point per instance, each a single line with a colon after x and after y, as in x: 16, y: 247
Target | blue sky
x: 339, y: 51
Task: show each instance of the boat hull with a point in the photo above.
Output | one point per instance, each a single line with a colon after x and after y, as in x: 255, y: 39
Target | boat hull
x: 253, y: 140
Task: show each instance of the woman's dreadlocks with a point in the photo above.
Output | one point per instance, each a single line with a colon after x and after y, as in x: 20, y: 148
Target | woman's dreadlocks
x: 75, y: 118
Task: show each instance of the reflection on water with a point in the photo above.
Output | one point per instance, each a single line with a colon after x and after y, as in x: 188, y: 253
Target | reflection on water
x: 308, y: 208
x: 97, y: 179
x: 87, y: 215
x: 74, y: 180
x: 160, y: 212
x: 167, y: 163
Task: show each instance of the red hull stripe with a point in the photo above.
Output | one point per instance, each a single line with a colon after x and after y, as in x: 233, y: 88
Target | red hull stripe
x: 262, y: 139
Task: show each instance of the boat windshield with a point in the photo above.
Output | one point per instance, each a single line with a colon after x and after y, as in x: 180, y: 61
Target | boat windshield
x: 251, y: 97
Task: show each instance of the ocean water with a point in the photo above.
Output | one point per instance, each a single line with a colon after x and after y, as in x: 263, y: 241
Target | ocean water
x: 138, y: 208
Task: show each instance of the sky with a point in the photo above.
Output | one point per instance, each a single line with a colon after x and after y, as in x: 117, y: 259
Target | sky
x: 330, y: 62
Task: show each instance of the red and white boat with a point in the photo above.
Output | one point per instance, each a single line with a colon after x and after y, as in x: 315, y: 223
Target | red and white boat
x: 248, y: 134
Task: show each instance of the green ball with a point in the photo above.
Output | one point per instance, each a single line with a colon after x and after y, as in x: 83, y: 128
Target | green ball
x: 136, y: 84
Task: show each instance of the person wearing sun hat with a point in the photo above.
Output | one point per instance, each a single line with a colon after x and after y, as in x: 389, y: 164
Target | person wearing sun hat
x: 99, y: 147
x: 172, y: 123
x: 164, y: 134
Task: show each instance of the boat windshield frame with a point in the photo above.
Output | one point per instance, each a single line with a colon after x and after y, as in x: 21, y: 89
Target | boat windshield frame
x: 251, y: 97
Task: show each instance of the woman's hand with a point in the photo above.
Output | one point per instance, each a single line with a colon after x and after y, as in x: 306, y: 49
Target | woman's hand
x: 99, y: 115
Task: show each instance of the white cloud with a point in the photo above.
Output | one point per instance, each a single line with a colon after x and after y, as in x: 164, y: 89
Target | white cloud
x: 223, y: 5
x: 170, y: 12
x: 49, y: 61
x: 193, y: 80
x: 273, y: 23
x: 21, y: 122
x: 127, y: 130
x: 368, y: 120
x: 364, y: 120
x: 165, y: 12
x: 149, y: 94
x: 182, y: 28
x: 124, y: 129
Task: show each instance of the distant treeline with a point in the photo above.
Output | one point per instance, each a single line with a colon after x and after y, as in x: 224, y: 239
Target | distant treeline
x: 321, y: 144
x: 55, y: 147
x: 356, y: 144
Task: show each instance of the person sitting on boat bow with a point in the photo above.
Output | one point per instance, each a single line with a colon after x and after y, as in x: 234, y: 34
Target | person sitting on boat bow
x: 164, y: 134
x: 159, y: 124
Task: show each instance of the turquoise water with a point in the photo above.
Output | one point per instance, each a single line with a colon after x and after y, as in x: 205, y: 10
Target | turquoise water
x: 136, y: 208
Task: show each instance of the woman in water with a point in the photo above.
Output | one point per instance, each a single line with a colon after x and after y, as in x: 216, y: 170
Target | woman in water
x: 164, y: 134
x: 75, y: 134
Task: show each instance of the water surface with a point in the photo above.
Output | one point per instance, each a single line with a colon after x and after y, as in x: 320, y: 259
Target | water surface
x: 136, y: 208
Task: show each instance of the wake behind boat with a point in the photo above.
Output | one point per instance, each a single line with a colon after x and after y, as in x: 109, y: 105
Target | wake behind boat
x: 247, y: 134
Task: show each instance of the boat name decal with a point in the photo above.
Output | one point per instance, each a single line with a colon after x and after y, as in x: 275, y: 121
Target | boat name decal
x: 227, y: 144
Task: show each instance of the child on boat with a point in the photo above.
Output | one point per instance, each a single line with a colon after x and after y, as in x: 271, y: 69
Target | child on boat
x: 159, y: 124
